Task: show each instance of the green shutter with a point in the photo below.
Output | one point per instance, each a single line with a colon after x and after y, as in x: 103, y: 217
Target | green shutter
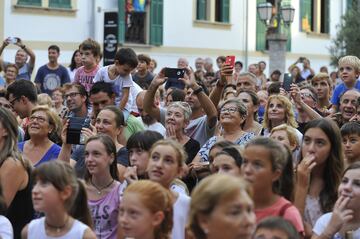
x: 225, y: 11
x: 201, y: 10
x: 60, y: 3
x: 260, y: 31
x: 29, y: 2
x: 326, y: 17
x: 121, y: 21
x: 305, y: 15
x: 156, y: 22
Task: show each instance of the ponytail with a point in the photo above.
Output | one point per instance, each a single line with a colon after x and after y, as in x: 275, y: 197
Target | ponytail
x: 80, y: 209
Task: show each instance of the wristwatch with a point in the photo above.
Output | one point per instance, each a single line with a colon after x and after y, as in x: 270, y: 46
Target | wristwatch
x: 198, y: 90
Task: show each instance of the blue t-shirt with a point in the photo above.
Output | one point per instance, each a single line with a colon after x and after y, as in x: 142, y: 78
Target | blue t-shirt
x: 51, y: 79
x: 51, y: 154
x: 339, y: 90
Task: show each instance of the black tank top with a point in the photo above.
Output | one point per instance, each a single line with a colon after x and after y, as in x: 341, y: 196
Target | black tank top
x: 20, y: 211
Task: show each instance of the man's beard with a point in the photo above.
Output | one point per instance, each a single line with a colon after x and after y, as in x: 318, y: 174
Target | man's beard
x: 148, y: 120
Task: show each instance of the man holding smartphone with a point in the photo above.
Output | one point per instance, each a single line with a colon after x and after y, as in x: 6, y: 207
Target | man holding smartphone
x: 21, y: 57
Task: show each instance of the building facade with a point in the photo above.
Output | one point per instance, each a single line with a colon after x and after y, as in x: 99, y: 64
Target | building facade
x: 169, y: 29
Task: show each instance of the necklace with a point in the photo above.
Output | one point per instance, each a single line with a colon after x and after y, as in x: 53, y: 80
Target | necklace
x: 99, y: 190
x: 57, y: 228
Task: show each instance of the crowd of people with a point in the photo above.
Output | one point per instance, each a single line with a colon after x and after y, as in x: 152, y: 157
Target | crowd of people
x: 126, y: 151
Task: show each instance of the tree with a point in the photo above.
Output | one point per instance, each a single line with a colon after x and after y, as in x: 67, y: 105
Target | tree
x: 348, y: 36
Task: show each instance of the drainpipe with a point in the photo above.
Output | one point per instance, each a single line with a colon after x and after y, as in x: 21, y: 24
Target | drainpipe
x: 246, y: 34
x: 92, y: 19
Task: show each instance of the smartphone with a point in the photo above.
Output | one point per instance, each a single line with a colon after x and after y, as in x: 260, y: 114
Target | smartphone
x: 301, y: 59
x: 74, y: 135
x: 13, y: 40
x: 175, y: 73
x: 230, y: 60
x: 288, y: 80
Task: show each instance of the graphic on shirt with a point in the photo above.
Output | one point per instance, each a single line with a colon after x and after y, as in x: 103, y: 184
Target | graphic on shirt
x: 51, y: 81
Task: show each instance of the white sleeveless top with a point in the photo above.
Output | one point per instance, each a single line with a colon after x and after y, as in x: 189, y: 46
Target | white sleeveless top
x: 37, y: 230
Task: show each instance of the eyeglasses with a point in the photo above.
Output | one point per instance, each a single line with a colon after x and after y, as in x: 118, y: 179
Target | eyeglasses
x: 37, y: 118
x: 72, y: 95
x: 308, y: 95
x: 228, y: 110
x: 13, y: 100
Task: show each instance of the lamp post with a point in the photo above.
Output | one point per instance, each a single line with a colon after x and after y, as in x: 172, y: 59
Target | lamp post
x: 276, y: 38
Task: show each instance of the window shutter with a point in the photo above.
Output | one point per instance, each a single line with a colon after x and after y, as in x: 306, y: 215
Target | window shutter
x: 201, y: 10
x: 156, y: 22
x: 287, y: 29
x: 225, y: 11
x: 29, y: 2
x: 260, y: 31
x: 121, y: 21
x: 60, y: 3
x: 326, y: 17
x: 305, y: 15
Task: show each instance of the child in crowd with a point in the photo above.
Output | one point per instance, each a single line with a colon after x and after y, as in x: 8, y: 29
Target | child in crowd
x: 286, y: 135
x: 102, y: 185
x: 350, y: 133
x: 138, y: 146
x: 119, y: 74
x: 264, y: 164
x: 349, y: 69
x: 228, y: 161
x: 152, y: 206
x: 275, y: 227
x: 90, y: 51
x: 221, y: 207
x: 166, y: 164
x: 344, y: 220
x: 318, y: 173
x: 54, y: 193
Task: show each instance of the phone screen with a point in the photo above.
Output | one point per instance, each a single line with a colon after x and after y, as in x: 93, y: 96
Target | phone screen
x: 288, y: 80
x: 230, y: 60
x: 176, y: 73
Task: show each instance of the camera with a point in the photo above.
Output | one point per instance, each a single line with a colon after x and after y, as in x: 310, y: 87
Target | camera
x: 74, y: 135
x: 176, y: 73
x: 13, y: 40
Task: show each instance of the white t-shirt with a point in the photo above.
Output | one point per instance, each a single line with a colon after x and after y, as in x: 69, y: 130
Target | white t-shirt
x: 323, y: 221
x: 181, y: 210
x: 158, y: 127
x: 118, y: 83
x: 36, y: 230
x: 6, y: 230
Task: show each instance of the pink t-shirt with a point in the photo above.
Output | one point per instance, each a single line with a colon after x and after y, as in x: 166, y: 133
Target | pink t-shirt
x: 284, y: 207
x: 85, y: 77
x: 104, y: 213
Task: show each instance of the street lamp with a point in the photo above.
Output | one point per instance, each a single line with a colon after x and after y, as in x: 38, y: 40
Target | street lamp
x: 276, y: 39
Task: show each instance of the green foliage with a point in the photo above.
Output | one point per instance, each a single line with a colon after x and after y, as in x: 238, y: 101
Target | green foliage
x: 347, y: 38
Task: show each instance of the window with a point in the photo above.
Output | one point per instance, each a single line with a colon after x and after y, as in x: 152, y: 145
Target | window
x: 213, y: 10
x: 46, y: 4
x: 140, y: 22
x: 30, y: 2
x: 315, y: 16
x: 262, y: 31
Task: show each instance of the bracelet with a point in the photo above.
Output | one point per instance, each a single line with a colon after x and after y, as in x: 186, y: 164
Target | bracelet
x: 198, y: 90
x: 23, y: 47
x: 219, y: 83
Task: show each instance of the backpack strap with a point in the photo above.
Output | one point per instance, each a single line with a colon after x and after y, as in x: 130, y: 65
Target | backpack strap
x: 284, y: 208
